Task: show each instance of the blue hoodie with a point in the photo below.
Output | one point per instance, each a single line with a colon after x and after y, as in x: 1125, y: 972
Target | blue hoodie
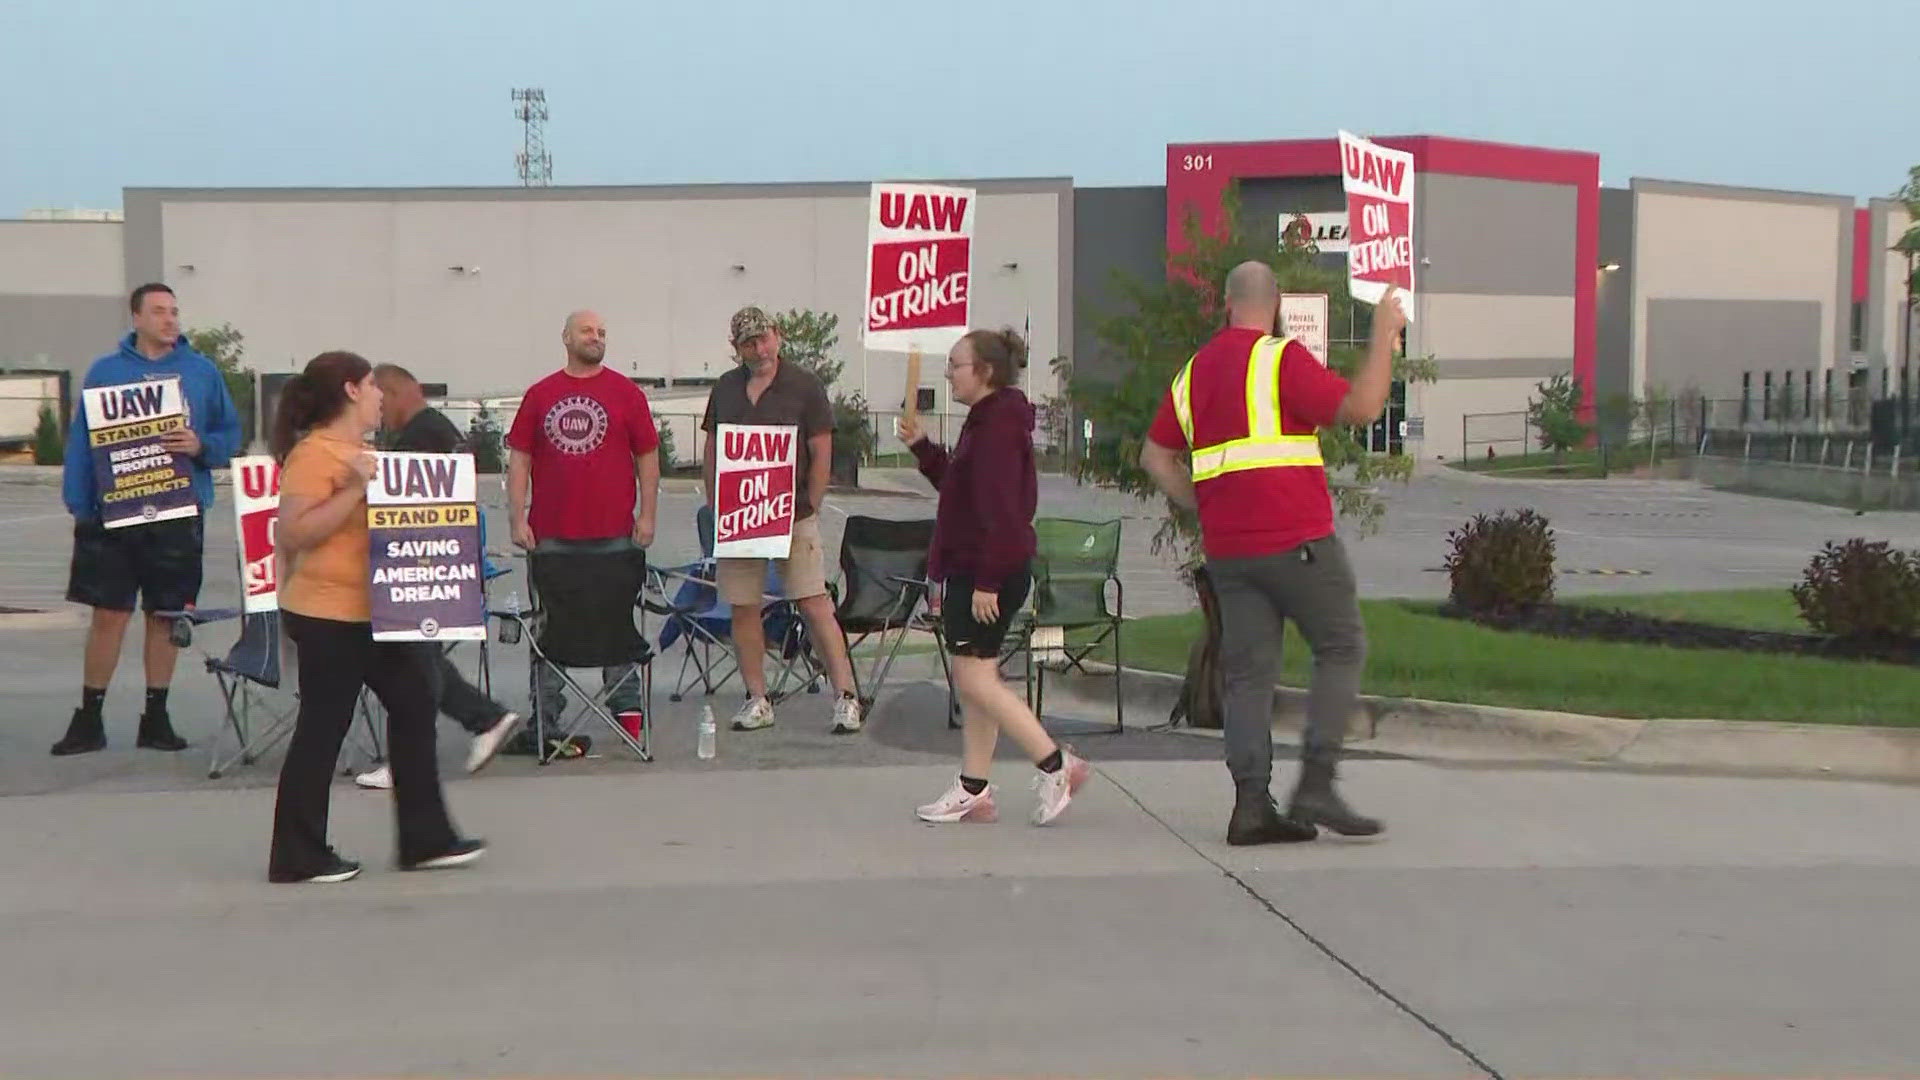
x: 210, y: 413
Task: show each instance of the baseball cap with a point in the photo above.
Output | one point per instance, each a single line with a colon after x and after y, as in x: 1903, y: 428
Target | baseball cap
x: 750, y: 323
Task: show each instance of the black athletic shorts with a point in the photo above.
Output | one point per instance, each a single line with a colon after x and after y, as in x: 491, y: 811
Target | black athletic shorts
x: 159, y: 563
x: 968, y: 636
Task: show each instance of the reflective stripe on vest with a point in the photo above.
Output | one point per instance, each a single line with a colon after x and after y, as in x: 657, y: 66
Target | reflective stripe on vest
x: 1265, y: 446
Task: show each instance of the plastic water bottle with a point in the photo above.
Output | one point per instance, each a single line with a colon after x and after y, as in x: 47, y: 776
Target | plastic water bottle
x: 708, y: 733
x: 510, y: 626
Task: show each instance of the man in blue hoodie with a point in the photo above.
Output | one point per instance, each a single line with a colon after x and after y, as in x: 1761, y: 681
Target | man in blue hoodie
x: 159, y: 562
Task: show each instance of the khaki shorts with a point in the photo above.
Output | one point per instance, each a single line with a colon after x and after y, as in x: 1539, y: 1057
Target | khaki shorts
x: 803, y: 572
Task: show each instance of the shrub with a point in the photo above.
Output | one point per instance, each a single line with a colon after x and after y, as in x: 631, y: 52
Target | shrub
x: 669, y: 454
x: 487, y: 442
x: 1861, y: 591
x: 48, y: 447
x: 1501, y: 562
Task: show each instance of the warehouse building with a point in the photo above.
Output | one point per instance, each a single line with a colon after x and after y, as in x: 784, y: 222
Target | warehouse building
x: 1527, y: 269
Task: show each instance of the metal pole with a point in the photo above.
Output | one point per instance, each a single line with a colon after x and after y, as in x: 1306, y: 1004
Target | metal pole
x: 1848, y: 464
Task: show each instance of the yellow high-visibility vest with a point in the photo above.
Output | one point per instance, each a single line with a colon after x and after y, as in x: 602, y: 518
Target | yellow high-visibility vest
x: 1264, y: 446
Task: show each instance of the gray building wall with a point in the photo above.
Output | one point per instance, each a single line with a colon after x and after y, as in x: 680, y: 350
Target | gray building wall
x: 1116, y: 232
x: 61, y: 297
x: 1495, y: 300
x: 1613, y: 297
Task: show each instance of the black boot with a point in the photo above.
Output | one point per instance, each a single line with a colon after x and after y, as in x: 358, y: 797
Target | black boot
x: 156, y: 733
x: 85, y: 734
x: 1257, y: 820
x: 1315, y: 800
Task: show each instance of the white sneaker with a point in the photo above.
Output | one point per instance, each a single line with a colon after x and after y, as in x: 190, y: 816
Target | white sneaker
x: 380, y: 779
x: 757, y: 713
x: 958, y: 805
x: 846, y: 715
x: 1057, y: 788
x: 487, y: 743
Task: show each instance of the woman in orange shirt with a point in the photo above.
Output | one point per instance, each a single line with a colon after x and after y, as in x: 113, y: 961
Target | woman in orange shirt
x: 319, y: 436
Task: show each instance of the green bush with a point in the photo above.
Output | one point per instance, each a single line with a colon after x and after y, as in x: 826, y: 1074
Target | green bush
x: 1861, y: 590
x: 487, y: 442
x: 48, y: 447
x: 1501, y: 562
x: 669, y: 454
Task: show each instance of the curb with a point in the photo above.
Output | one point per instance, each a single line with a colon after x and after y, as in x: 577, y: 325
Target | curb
x: 1485, y: 734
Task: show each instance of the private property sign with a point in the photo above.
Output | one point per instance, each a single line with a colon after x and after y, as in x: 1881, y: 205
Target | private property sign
x: 919, y: 267
x: 1379, y: 186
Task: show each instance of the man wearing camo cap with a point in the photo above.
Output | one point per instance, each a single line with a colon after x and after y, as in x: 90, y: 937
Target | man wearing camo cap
x: 763, y: 390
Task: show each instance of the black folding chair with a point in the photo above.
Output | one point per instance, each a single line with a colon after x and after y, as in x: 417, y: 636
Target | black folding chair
x: 246, y: 674
x: 584, y: 601
x: 883, y: 581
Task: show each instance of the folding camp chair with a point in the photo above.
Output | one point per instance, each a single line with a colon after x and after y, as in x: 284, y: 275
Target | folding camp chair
x: 883, y: 568
x: 688, y: 602
x: 1076, y: 560
x: 584, y: 598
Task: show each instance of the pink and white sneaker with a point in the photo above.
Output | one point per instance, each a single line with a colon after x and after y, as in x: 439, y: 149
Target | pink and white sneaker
x: 1056, y: 789
x: 958, y: 805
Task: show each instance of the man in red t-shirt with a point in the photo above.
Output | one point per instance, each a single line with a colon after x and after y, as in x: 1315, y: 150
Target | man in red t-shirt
x: 1266, y: 526
x: 583, y: 471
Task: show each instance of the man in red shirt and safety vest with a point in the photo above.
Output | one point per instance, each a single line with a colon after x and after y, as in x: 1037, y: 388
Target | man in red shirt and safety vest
x: 1245, y: 409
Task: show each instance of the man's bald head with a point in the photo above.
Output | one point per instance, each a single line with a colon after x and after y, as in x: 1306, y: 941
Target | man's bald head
x: 1253, y: 296
x: 585, y: 337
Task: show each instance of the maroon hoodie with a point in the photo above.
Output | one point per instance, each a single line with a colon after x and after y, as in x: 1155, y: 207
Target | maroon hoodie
x: 988, y: 493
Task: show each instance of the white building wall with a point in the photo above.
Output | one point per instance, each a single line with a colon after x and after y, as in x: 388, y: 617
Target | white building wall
x: 1696, y: 243
x: 472, y: 291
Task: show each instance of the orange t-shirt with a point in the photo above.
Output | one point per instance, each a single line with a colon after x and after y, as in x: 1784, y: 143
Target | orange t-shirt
x: 330, y: 579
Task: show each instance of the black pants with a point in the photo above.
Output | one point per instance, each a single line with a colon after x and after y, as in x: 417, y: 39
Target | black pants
x: 336, y: 659
x: 460, y: 699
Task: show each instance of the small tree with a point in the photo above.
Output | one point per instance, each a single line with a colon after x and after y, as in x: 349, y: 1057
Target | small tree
x: 669, y: 456
x: 1909, y: 243
x: 1555, y: 413
x: 48, y: 447
x: 807, y: 340
x: 226, y: 347
x: 487, y: 442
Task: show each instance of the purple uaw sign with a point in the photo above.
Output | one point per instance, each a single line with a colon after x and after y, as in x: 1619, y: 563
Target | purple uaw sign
x: 140, y: 480
x: 423, y: 524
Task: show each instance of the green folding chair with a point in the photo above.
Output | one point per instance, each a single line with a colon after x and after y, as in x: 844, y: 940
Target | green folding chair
x: 1074, y: 564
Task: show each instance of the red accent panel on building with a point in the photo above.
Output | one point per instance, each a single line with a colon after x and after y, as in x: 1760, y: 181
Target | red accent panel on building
x: 1198, y: 174
x: 1862, y: 253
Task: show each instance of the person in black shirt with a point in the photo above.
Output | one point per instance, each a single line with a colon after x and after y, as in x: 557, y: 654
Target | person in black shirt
x: 410, y: 424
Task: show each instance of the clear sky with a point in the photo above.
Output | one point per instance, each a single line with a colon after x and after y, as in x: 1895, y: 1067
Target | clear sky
x: 103, y: 94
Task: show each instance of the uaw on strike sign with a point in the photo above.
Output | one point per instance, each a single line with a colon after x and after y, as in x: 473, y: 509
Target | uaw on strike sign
x: 423, y: 525
x: 753, y: 487
x: 256, y: 512
x: 1379, y: 186
x: 919, y: 267
x: 139, y: 480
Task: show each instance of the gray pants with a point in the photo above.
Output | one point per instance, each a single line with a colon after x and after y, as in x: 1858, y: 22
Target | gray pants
x: 1313, y: 585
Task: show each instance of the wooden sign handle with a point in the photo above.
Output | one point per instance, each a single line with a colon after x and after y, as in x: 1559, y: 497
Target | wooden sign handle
x: 911, y: 407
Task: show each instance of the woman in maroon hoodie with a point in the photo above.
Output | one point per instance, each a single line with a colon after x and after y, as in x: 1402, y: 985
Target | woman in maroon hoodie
x: 983, y: 548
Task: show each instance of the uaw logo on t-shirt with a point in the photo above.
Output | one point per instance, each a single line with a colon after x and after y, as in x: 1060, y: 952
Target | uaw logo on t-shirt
x: 576, y: 425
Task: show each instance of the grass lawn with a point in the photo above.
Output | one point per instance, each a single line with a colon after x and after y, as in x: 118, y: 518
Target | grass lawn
x: 1416, y: 653
x: 1573, y: 465
x: 1743, y: 609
